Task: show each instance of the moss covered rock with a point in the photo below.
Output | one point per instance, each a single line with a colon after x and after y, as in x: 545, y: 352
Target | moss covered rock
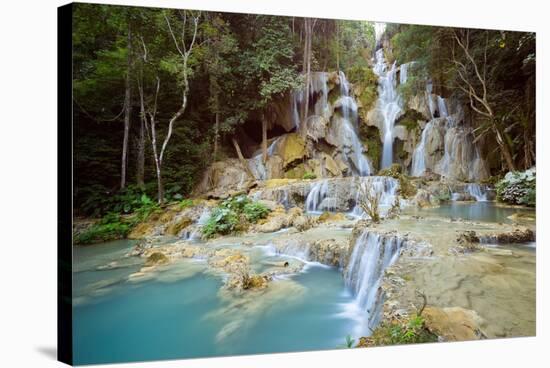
x: 178, y: 225
x: 291, y: 149
x: 156, y: 259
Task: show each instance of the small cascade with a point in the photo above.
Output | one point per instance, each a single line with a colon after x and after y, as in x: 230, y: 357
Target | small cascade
x: 319, y: 85
x: 335, y: 195
x: 477, y: 191
x: 257, y: 167
x: 297, y: 97
x: 318, y: 192
x: 403, y: 73
x: 418, y: 166
x: 372, y: 254
x: 429, y: 97
x: 386, y: 186
x: 442, y: 107
x: 461, y: 159
x: 195, y: 233
x: 389, y: 103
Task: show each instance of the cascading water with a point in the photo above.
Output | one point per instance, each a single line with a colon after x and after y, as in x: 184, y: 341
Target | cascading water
x: 195, y: 232
x: 389, y: 103
x: 331, y: 195
x: 419, y: 155
x: 429, y: 98
x: 316, y: 195
x: 372, y: 254
x: 385, y: 186
x: 442, y: 107
x: 476, y: 191
x: 319, y: 84
x: 353, y: 148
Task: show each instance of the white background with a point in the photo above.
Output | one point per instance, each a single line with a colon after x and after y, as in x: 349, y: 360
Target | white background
x: 28, y: 181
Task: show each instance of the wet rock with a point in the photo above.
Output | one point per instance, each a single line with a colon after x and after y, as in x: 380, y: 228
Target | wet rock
x: 330, y: 217
x: 303, y: 223
x: 291, y: 148
x: 223, y: 175
x: 156, y: 258
x: 175, y: 227
x: 453, y: 324
x: 142, y: 230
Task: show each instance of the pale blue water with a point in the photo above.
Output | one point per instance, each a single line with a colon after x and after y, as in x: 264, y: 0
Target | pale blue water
x: 471, y: 211
x: 156, y: 319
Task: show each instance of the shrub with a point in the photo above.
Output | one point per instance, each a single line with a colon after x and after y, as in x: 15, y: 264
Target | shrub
x: 309, y: 175
x: 109, y: 227
x: 221, y: 221
x: 518, y: 188
x: 412, y: 331
x: 234, y: 214
x: 255, y: 211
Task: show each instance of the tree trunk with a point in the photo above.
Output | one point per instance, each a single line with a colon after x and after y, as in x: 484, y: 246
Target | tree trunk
x: 127, y: 112
x: 216, y: 135
x: 504, y: 149
x: 264, y: 139
x: 140, y: 169
x: 160, y: 186
x: 307, y: 66
x: 244, y: 163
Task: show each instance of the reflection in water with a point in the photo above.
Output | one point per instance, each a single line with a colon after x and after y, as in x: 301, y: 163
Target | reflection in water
x: 471, y: 211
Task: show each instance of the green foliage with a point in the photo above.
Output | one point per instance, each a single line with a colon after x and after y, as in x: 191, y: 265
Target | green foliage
x: 349, y: 342
x: 125, y: 201
x: 108, y: 228
x: 255, y: 211
x: 309, y: 175
x: 366, y: 81
x: 146, y: 208
x: 222, y: 221
x: 412, y: 331
x: 518, y: 188
x: 232, y: 215
x: 185, y: 203
x: 410, y: 120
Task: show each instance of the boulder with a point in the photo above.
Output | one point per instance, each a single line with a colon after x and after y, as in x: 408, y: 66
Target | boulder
x: 453, y: 324
x: 155, y: 259
x: 176, y: 226
x: 142, y: 230
x: 291, y: 148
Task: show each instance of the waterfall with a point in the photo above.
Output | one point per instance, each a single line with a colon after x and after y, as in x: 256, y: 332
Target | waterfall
x: 429, y: 97
x: 372, y: 254
x: 297, y: 97
x: 257, y: 167
x: 319, y: 84
x: 353, y: 148
x: 442, y: 107
x: 404, y: 71
x: 333, y: 195
x: 316, y: 195
x: 195, y: 233
x: 388, y: 102
x: 476, y: 191
x: 385, y: 186
x: 418, y: 166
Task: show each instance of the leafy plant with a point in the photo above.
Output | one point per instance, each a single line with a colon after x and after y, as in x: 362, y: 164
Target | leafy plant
x: 309, y: 175
x: 221, y: 221
x: 518, y: 188
x: 255, y: 211
x: 234, y: 214
x: 108, y: 228
x: 411, y: 331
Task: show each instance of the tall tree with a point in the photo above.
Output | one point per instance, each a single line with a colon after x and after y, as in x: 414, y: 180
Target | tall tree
x: 473, y: 81
x: 127, y: 105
